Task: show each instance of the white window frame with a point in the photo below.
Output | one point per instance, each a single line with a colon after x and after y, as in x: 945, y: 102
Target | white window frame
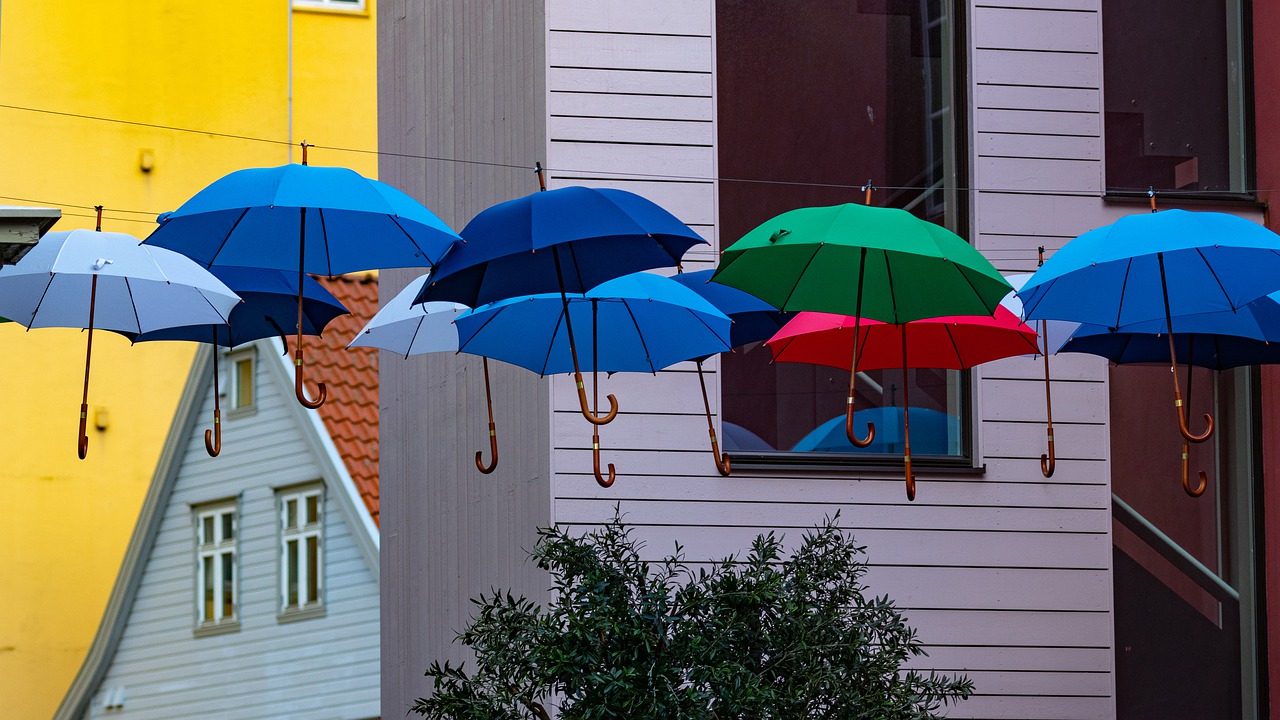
x: 232, y: 387
x: 217, y: 551
x: 350, y: 6
x: 301, y: 551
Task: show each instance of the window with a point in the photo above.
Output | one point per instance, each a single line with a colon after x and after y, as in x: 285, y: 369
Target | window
x: 241, y: 366
x: 1174, y: 86
x: 339, y: 5
x: 216, y: 582
x: 846, y: 92
x: 301, y: 551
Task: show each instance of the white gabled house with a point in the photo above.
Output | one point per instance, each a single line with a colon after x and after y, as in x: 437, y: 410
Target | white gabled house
x: 250, y: 586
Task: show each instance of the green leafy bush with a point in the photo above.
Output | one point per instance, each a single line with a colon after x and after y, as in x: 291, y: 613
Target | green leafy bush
x: 765, y: 635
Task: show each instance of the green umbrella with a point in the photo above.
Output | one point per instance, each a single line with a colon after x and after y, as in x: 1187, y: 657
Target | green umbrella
x: 880, y: 263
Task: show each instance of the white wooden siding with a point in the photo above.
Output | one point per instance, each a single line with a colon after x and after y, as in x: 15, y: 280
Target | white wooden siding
x: 1007, y: 575
x: 325, y: 667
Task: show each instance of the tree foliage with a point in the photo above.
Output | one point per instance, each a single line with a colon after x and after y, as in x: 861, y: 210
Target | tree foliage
x: 764, y: 635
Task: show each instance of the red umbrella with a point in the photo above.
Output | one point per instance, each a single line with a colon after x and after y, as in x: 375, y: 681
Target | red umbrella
x: 956, y: 342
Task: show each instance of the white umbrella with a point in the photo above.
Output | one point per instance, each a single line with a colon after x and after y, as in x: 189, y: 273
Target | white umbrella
x: 88, y: 279
x: 408, y: 329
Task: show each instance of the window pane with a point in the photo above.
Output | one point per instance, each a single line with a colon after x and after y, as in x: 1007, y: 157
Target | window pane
x: 228, y: 585
x: 313, y: 509
x: 291, y: 574
x: 313, y: 569
x: 1173, y: 94
x: 228, y: 527
x: 850, y: 92
x: 290, y: 513
x: 244, y: 383
x: 209, y: 585
x: 206, y: 530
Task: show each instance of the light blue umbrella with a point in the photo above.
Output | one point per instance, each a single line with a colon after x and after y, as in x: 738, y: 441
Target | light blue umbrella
x: 636, y: 323
x: 92, y: 279
x: 321, y: 220
x: 932, y: 432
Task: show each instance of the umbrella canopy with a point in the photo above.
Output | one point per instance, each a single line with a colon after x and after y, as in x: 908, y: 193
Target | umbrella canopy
x: 935, y: 432
x: 566, y: 240
x: 880, y: 263
x: 88, y: 279
x: 257, y: 216
x: 268, y: 302
x: 1053, y: 333
x: 636, y: 323
x: 1153, y: 266
x: 408, y: 329
x: 1206, y: 350
x: 323, y: 220
x: 954, y: 343
x: 268, y: 298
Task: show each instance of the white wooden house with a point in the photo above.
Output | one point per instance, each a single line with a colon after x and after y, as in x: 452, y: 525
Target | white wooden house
x: 250, y: 586
x: 719, y: 110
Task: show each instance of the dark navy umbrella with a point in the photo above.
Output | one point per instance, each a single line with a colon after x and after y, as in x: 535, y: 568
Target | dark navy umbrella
x: 321, y: 220
x: 567, y: 240
x: 754, y: 320
x: 269, y: 300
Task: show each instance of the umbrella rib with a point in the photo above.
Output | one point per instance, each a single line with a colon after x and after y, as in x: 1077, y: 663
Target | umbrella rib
x: 546, y: 360
x: 47, y: 285
x: 893, y: 299
x: 577, y: 269
x: 133, y: 305
x: 227, y: 238
x: 713, y: 330
x: 413, y: 338
x: 950, y: 336
x: 430, y: 260
x: 324, y: 240
x: 494, y: 316
x: 640, y: 334
x: 1216, y: 279
x: 991, y: 309
x: 800, y: 277
x: 1027, y: 308
x: 1124, y: 287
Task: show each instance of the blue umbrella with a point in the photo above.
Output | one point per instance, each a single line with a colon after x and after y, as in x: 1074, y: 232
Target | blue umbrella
x: 322, y: 220
x: 268, y: 298
x: 567, y: 240
x: 931, y: 430
x: 753, y: 319
x: 1121, y: 274
x: 637, y: 323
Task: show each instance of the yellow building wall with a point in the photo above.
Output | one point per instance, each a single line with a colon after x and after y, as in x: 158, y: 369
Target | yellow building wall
x: 68, y: 69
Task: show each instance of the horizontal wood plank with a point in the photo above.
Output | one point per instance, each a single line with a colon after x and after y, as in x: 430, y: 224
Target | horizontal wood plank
x: 671, y: 54
x: 660, y: 17
x: 1034, y: 29
x: 1030, y: 67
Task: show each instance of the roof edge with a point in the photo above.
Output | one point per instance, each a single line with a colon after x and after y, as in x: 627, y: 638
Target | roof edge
x: 111, y: 628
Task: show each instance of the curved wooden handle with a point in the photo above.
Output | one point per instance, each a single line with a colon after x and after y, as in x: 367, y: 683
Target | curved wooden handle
x: 300, y: 391
x: 848, y: 428
x: 595, y: 461
x: 1048, y: 462
x: 586, y: 409
x: 722, y: 461
x: 213, y: 438
x: 493, y: 450
x: 82, y: 444
x: 1182, y: 423
x: 1186, y: 474
x: 911, y: 478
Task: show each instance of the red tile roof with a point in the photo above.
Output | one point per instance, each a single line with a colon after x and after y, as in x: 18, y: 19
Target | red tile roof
x: 351, y: 375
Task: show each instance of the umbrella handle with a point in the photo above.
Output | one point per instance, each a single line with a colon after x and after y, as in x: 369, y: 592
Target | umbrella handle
x: 1182, y: 422
x: 300, y: 391
x: 848, y: 428
x: 1048, y: 462
x: 911, y: 478
x: 82, y: 444
x: 493, y: 450
x: 586, y: 409
x: 213, y: 438
x: 1186, y: 474
x: 595, y: 461
x: 722, y: 460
